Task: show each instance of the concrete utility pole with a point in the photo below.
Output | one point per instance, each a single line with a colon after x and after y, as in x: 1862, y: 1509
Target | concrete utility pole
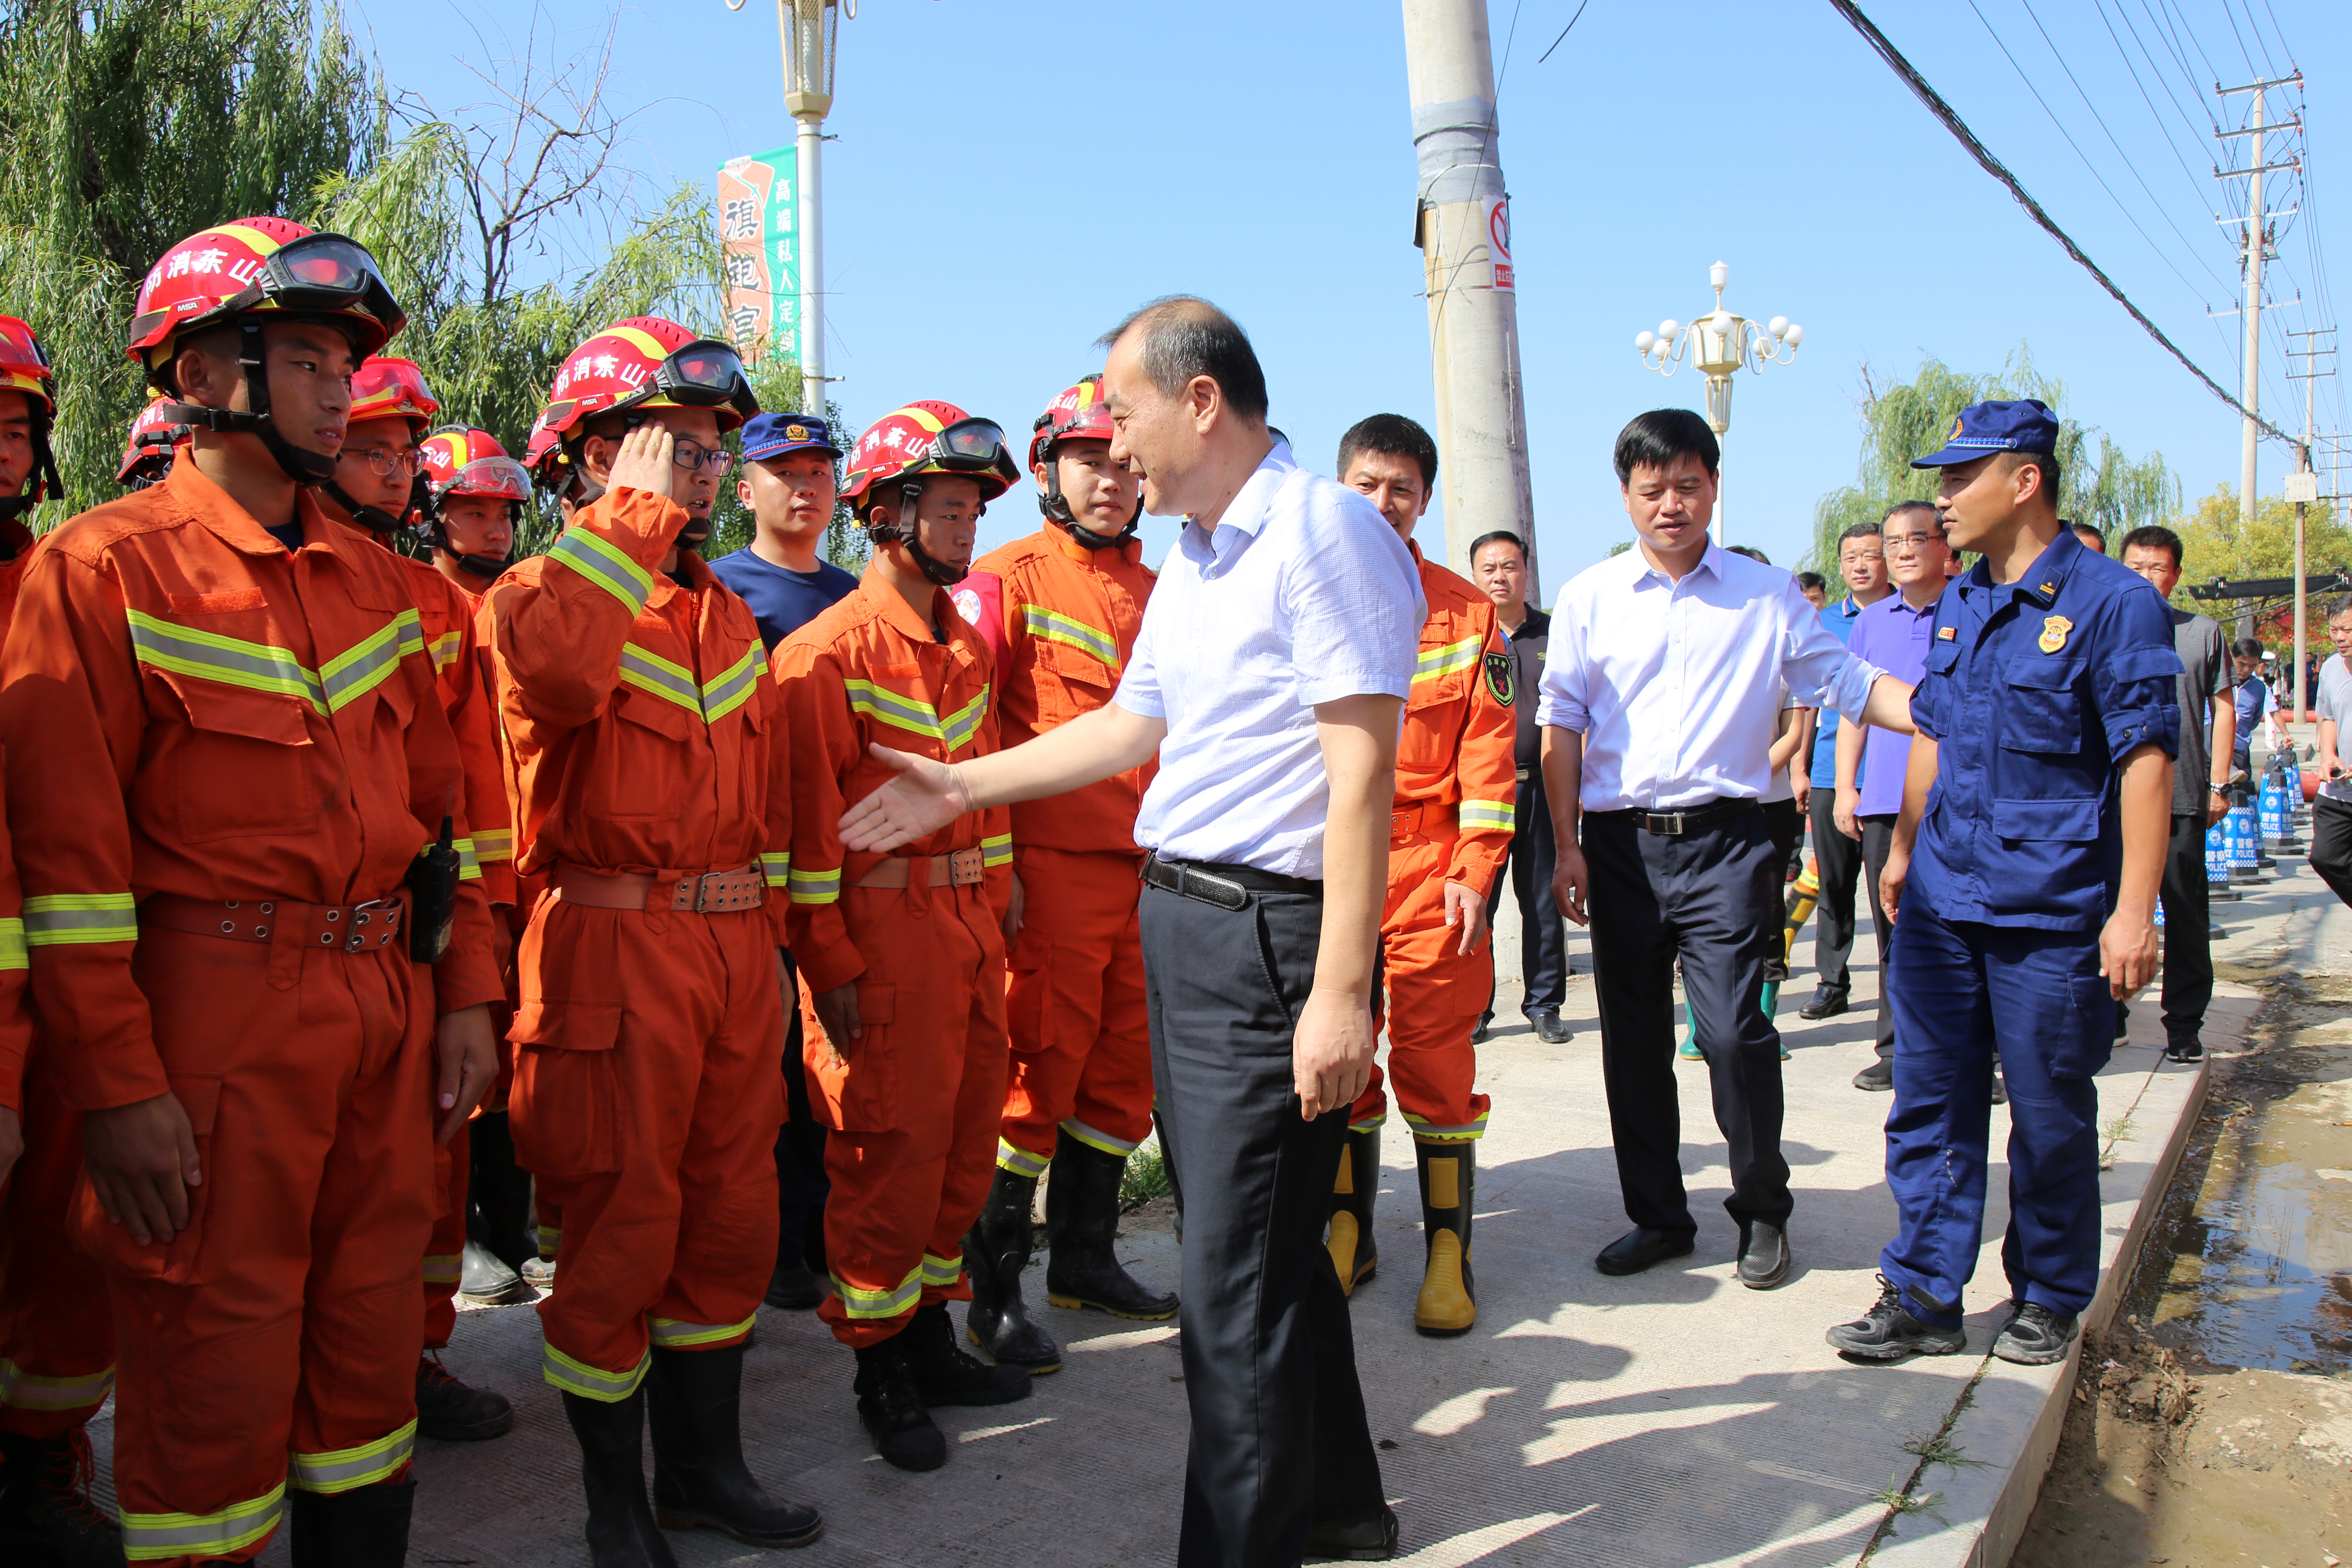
x: 2257, y: 242
x: 2303, y: 485
x: 1462, y: 222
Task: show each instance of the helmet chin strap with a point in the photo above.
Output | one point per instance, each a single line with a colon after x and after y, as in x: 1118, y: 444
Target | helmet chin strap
x: 41, y: 483
x: 304, y: 468
x: 906, y: 532
x: 1056, y: 507
x: 375, y: 519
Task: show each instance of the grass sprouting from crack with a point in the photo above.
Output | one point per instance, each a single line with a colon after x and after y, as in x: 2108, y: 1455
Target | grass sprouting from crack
x: 1939, y: 1449
x: 1895, y: 1499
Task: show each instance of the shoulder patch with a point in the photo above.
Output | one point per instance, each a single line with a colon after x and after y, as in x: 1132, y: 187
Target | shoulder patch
x: 1499, y: 678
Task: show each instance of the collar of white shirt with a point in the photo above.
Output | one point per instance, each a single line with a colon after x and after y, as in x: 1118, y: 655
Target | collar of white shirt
x: 1245, y: 515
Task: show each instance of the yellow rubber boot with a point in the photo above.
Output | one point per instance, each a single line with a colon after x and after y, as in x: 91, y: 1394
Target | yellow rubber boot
x: 1354, y: 1254
x: 1448, y: 1303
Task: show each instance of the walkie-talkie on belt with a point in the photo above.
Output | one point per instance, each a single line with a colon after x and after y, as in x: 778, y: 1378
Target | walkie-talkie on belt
x: 433, y: 896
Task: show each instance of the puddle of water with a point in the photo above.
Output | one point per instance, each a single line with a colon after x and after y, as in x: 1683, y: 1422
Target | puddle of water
x: 2260, y: 1268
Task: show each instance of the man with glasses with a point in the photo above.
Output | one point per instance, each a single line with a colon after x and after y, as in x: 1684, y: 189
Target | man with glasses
x: 1893, y: 635
x: 1837, y: 860
x: 652, y: 784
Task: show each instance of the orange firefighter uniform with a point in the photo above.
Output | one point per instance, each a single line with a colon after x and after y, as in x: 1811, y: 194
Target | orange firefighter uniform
x: 1456, y: 788
x: 649, y: 749
x: 1060, y: 621
x: 913, y: 1105
x: 223, y: 759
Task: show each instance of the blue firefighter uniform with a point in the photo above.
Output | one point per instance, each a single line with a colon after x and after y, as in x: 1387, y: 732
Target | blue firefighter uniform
x: 2035, y: 691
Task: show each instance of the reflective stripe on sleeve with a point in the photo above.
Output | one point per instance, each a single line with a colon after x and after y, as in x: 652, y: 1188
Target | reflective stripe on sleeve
x: 894, y: 1302
x: 1445, y: 660
x: 815, y: 886
x: 147, y: 1537
x: 12, y: 943
x: 1055, y: 627
x: 909, y: 713
x: 670, y: 682
x: 493, y: 844
x: 444, y: 649
x: 671, y: 1334
x: 776, y: 868
x: 1422, y: 1129
x: 345, y: 1468
x: 965, y: 723
x: 606, y: 565
x: 1020, y: 1162
x: 732, y: 689
x: 1488, y: 815
x: 59, y: 920
x: 22, y: 1390
x: 996, y: 851
x: 257, y: 666
x: 588, y: 1381
x: 362, y: 667
x: 469, y: 863
x: 1093, y: 1138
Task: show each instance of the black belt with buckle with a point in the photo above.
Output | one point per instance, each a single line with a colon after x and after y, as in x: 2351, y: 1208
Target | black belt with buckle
x: 1687, y: 819
x: 1226, y: 886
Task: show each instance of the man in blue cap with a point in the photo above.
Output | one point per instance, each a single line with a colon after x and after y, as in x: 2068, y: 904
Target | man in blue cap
x: 789, y: 482
x: 2022, y: 882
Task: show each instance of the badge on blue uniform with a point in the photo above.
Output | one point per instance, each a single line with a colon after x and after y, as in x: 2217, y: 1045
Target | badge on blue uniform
x: 2053, y: 633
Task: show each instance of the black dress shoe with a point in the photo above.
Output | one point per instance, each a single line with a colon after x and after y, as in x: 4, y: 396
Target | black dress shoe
x: 1638, y: 1249
x: 1485, y: 1031
x: 1549, y: 1029
x: 1878, y: 1076
x: 1828, y: 1003
x: 1370, y: 1540
x: 1764, y: 1257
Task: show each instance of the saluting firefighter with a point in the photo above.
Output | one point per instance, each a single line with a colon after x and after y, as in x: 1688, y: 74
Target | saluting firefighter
x: 237, y: 802
x: 1456, y: 789
x: 1059, y: 611
x: 651, y: 764
x: 57, y: 1353
x: 904, y: 953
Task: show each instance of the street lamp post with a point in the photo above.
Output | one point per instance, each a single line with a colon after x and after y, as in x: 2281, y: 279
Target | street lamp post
x: 1718, y: 343
x: 810, y: 29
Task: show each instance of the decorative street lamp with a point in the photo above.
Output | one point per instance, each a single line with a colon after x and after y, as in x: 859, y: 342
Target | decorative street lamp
x: 810, y: 30
x: 1718, y: 343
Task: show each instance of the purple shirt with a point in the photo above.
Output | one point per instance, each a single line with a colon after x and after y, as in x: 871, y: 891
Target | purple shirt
x: 1893, y: 637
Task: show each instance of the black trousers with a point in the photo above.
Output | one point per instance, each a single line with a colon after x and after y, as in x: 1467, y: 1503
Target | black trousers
x: 1786, y: 824
x: 1543, y: 939
x: 1837, y: 861
x: 2331, y: 848
x: 801, y: 1185
x: 1877, y: 839
x: 1279, y: 1438
x: 2188, y: 926
x: 1708, y: 897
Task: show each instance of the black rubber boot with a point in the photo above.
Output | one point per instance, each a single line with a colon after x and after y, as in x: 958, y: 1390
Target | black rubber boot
x: 497, y: 1210
x: 947, y: 1373
x: 449, y: 1411
x: 1448, y: 1303
x: 1081, y: 1226
x: 1354, y: 1253
x: 694, y: 1404
x: 621, y: 1529
x: 45, y: 1515
x: 484, y: 1279
x: 994, y: 1253
x: 891, y: 1413
x: 366, y: 1526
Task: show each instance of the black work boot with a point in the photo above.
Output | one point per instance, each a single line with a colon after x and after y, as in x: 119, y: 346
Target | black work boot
x: 497, y: 1193
x: 46, y: 1514
x: 1448, y: 1303
x: 366, y: 1526
x: 1354, y: 1253
x: 449, y: 1411
x: 694, y: 1404
x: 621, y: 1529
x: 947, y: 1373
x: 996, y: 1251
x: 891, y: 1413
x: 1081, y: 1224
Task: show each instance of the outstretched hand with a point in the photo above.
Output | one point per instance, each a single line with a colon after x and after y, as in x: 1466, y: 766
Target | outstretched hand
x: 925, y: 797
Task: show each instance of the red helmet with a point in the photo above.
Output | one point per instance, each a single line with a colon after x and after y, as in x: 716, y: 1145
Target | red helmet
x: 543, y: 451
x: 260, y: 265
x: 463, y: 461
x: 929, y: 438
x: 384, y: 387
x: 154, y: 439
x: 1078, y: 415
x: 23, y: 367
x: 649, y: 363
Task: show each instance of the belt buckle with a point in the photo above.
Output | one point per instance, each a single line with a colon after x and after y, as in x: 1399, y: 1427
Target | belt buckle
x: 1668, y: 824
x: 966, y: 867
x: 1400, y: 822
x: 363, y: 915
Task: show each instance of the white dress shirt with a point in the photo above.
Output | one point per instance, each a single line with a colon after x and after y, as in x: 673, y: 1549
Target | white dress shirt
x: 1676, y: 687
x: 1302, y: 593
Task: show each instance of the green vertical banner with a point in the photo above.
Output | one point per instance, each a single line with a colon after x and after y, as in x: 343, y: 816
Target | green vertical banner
x: 758, y: 231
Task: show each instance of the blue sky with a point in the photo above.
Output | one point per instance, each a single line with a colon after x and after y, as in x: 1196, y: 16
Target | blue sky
x: 1010, y: 178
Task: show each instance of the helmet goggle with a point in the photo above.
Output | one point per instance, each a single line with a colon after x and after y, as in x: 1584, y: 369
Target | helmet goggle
x: 321, y: 272
x: 970, y: 445
x: 493, y: 479
x: 704, y: 373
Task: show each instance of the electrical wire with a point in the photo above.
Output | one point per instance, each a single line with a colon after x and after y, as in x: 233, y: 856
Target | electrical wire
x: 1564, y: 32
x: 1992, y: 165
x: 2162, y: 129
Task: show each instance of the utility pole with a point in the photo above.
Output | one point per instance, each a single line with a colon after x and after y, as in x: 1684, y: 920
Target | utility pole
x: 2257, y: 242
x: 2303, y: 485
x: 1461, y: 222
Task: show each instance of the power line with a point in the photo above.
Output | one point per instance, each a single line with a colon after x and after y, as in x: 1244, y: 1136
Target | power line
x: 2153, y: 113
x: 1564, y: 32
x: 1958, y: 128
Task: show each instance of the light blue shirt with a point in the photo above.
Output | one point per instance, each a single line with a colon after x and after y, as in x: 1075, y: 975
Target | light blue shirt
x: 1302, y: 593
x: 1676, y: 687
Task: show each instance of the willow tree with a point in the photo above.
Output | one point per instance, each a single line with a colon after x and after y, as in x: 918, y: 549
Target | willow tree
x: 132, y: 123
x: 2098, y: 482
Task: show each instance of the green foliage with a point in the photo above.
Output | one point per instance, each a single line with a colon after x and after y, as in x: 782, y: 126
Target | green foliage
x: 2215, y: 543
x: 1146, y: 1177
x: 2097, y: 483
x: 132, y: 124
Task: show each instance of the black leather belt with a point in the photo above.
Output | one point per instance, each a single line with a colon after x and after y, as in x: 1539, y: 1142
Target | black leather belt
x: 1687, y: 819
x: 1226, y: 886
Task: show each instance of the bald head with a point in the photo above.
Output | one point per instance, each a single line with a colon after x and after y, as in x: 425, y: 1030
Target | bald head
x: 1180, y: 337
